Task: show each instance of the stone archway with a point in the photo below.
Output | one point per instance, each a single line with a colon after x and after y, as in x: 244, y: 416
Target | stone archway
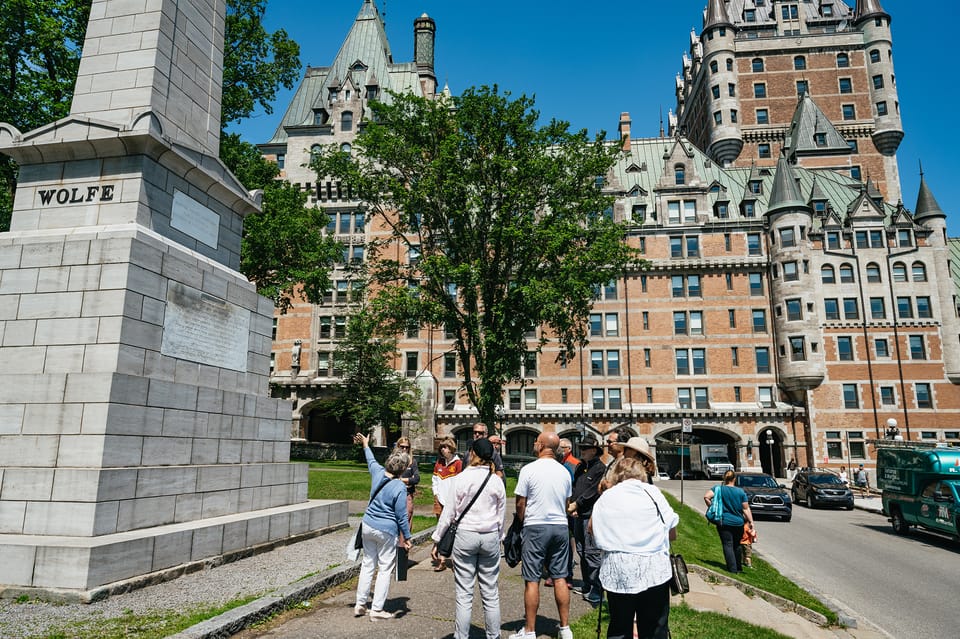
x: 519, y: 441
x: 674, y: 448
x: 770, y: 450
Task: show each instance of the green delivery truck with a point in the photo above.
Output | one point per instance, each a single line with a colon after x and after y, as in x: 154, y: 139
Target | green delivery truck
x: 921, y: 487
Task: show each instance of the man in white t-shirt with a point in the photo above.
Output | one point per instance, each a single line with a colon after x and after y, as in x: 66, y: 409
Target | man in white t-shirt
x: 542, y: 491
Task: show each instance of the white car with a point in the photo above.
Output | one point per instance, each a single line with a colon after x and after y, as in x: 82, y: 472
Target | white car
x: 662, y: 475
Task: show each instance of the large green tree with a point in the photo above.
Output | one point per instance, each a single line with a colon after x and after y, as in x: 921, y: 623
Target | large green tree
x: 505, y: 220
x: 40, y: 43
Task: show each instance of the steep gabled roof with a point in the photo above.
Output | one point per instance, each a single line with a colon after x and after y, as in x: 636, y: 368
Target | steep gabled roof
x: 807, y: 124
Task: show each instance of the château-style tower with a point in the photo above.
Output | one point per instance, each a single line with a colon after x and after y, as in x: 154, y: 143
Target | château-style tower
x: 755, y: 60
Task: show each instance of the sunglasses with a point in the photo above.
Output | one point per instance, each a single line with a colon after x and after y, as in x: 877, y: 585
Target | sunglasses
x: 479, y: 432
x: 403, y: 447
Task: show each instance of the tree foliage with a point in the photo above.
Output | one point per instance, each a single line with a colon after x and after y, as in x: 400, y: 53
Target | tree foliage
x: 370, y: 392
x: 507, y: 218
x: 255, y: 62
x: 39, y: 56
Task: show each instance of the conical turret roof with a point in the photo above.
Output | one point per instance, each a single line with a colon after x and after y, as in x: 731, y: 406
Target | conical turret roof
x: 716, y: 15
x: 785, y: 193
x: 868, y: 9
x: 927, y: 206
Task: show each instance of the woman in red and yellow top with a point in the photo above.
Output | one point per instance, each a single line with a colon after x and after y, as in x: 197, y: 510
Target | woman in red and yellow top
x: 448, y: 465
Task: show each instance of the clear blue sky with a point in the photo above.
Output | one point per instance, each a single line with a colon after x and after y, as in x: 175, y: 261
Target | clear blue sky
x: 585, y: 62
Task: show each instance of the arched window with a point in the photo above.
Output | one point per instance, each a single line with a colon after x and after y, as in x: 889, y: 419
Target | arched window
x: 680, y: 174
x: 799, y: 63
x: 315, y: 151
x: 843, y: 60
x: 346, y: 121
x: 346, y: 148
x: 919, y: 272
x: 757, y: 65
x: 899, y: 272
x: 873, y: 272
x: 846, y: 273
x: 828, y: 275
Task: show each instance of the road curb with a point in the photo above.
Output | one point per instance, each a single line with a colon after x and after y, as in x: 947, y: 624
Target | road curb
x: 233, y: 621
x: 752, y: 591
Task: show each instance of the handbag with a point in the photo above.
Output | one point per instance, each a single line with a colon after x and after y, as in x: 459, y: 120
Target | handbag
x: 513, y: 542
x: 445, y: 545
x: 715, y: 510
x: 358, y: 540
x: 679, y: 581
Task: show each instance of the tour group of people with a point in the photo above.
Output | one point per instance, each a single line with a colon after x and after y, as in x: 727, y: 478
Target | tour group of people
x: 610, y: 514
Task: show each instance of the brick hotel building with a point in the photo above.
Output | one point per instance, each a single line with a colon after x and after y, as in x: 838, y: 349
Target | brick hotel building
x: 793, y: 303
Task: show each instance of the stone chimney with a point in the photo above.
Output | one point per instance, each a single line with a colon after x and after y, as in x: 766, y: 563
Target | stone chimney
x: 625, y: 131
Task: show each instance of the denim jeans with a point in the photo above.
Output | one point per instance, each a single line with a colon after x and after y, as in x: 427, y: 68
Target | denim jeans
x: 380, y: 554
x: 476, y: 558
x: 589, y: 554
x: 730, y: 539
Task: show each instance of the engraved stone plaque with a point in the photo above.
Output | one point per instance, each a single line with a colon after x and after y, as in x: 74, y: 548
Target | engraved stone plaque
x: 202, y: 328
x: 195, y: 219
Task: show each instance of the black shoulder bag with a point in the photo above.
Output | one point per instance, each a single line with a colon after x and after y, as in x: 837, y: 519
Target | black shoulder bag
x: 445, y: 545
x: 358, y: 540
x: 679, y: 582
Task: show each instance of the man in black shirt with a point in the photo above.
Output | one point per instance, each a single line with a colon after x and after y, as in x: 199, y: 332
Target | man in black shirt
x: 586, y: 490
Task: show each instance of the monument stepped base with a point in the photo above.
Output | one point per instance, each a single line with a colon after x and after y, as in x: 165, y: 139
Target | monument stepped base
x: 86, y: 569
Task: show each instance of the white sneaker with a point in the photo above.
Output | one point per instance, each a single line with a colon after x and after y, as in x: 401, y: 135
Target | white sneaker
x: 381, y: 614
x: 523, y: 634
x: 359, y: 611
x: 565, y: 633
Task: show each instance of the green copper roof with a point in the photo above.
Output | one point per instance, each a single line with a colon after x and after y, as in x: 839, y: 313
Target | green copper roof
x: 812, y: 133
x: 785, y: 194
x: 927, y: 206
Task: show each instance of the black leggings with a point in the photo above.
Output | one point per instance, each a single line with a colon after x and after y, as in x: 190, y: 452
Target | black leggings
x: 650, y: 608
x: 730, y: 537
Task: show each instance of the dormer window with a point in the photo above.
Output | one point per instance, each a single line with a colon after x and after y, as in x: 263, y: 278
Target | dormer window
x: 750, y: 15
x: 755, y: 186
x: 334, y: 95
x: 346, y: 94
x: 373, y: 92
x: 826, y: 11
x: 820, y: 139
x: 680, y: 174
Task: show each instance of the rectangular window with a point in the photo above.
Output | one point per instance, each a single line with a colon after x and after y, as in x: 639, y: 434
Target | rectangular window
x: 682, y: 358
x: 881, y: 347
x: 765, y: 396
x: 753, y: 244
x: 613, y: 399
x: 530, y: 364
x: 737, y: 394
x: 701, y: 398
x: 887, y: 397
x: 689, y: 211
x: 850, y: 399
x: 860, y: 237
x: 648, y: 391
x: 693, y: 286
x: 732, y: 317
x: 831, y: 309
x: 323, y: 364
x: 794, y: 310
x: 904, y: 307
x: 646, y: 320
x: 679, y: 323
x: 613, y: 362
x: 759, y: 321
x: 325, y: 327
x: 449, y: 400
x: 718, y: 117
x: 715, y: 91
x: 803, y: 87
x: 857, y: 448
x: 728, y: 279
x: 790, y: 273
x: 882, y: 107
x: 833, y: 240
x: 759, y: 90
x: 849, y: 112
x: 683, y: 398
x: 530, y: 399
x: 563, y: 395
x: 514, y: 399
x: 699, y: 358
x: 763, y: 150
x: 923, y: 307
x: 412, y: 360
x: 610, y: 290
x: 676, y: 247
x: 917, y: 349
x: 693, y: 246
x: 673, y: 212
x: 762, y: 354
x: 596, y: 327
x: 788, y: 237
x: 612, y: 324
x: 696, y: 322
x: 449, y: 364
x: 924, y: 398
x: 845, y: 349
x: 646, y: 357
x: 904, y: 238
x: 596, y: 362
x: 798, y: 349
x: 851, y: 309
x: 846, y: 85
x: 339, y: 326
x: 731, y: 90
x: 877, y: 81
x: 763, y: 116
x: 878, y: 308
x: 734, y: 356
x: 756, y: 283
x: 676, y: 286
x: 643, y: 283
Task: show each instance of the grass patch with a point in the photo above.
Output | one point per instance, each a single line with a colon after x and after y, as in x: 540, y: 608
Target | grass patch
x: 685, y: 622
x: 698, y: 542
x: 153, y: 625
x: 356, y: 486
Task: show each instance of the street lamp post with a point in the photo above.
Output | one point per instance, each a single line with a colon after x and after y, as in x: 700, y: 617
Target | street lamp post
x: 892, y: 431
x: 773, y: 472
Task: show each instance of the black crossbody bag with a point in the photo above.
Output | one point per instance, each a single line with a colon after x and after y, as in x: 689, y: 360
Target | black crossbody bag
x: 445, y: 545
x: 679, y: 581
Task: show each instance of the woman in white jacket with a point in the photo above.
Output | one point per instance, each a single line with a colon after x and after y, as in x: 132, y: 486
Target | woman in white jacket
x: 633, y: 525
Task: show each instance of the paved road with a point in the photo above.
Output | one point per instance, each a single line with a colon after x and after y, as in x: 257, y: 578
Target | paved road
x: 905, y: 585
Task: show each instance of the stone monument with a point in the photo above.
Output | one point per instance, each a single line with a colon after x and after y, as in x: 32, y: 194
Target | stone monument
x: 137, y: 438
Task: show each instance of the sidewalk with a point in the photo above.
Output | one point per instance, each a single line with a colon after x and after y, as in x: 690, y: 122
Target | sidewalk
x: 425, y: 607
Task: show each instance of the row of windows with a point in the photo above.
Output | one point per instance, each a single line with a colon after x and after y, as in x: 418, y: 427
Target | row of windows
x: 922, y: 393
x: 907, y: 308
x: 918, y: 272
x: 869, y: 239
x: 345, y: 222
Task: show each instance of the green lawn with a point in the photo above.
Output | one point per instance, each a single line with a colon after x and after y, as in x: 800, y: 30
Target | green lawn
x: 332, y: 480
x: 685, y: 623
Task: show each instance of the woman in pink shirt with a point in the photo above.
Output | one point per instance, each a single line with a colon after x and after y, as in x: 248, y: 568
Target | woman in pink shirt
x: 476, y: 551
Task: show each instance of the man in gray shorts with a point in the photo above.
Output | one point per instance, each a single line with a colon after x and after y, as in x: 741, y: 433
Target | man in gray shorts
x: 542, y: 491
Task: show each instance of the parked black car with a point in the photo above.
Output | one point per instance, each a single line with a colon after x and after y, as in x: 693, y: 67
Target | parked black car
x: 766, y: 496
x: 821, y: 488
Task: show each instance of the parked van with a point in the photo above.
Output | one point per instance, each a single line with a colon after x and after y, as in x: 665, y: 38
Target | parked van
x: 921, y: 487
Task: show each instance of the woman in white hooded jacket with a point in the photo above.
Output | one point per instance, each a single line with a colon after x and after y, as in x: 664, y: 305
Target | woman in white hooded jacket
x: 633, y: 525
